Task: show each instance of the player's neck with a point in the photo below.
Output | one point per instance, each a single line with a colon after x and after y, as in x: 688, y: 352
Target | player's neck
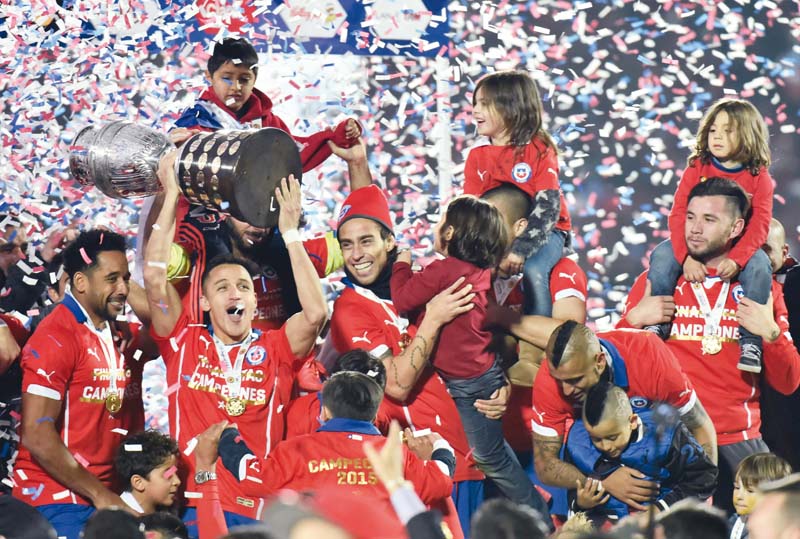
x: 229, y: 339
x: 97, y: 321
x: 147, y: 505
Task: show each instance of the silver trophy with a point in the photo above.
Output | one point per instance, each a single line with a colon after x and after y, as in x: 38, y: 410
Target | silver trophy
x: 233, y: 172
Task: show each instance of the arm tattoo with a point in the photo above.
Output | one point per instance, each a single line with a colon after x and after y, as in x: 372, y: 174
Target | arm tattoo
x: 556, y: 472
x: 695, y: 417
x: 415, y: 349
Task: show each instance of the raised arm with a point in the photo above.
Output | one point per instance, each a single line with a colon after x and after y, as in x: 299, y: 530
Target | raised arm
x: 302, y: 328
x: 357, y: 164
x: 164, y: 302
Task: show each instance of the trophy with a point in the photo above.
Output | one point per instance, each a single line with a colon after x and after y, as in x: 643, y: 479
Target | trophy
x: 233, y: 172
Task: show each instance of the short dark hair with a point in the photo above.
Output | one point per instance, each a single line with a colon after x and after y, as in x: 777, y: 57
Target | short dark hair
x: 115, y: 522
x: 352, y: 395
x: 479, y: 233
x: 601, y: 399
x: 689, y: 519
x: 735, y: 196
x: 166, y: 524
x: 359, y: 360
x: 519, y: 202
x: 503, y: 519
x: 81, y: 254
x: 236, y: 50
x: 227, y: 258
x: 156, y: 448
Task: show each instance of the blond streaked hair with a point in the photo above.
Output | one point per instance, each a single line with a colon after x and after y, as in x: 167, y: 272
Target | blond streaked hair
x: 760, y: 467
x: 752, y: 149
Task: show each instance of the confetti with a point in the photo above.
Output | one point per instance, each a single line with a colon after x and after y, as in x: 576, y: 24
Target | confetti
x: 132, y: 447
x: 85, y: 257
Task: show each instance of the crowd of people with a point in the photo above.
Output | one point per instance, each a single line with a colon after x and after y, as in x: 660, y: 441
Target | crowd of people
x: 468, y: 398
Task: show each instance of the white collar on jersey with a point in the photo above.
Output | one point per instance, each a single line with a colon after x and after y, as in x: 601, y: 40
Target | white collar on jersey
x: 131, y: 502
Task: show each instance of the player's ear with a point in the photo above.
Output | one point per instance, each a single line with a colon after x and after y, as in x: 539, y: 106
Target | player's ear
x: 204, y: 303
x: 138, y: 482
x: 519, y: 227
x: 634, y: 421
x: 326, y: 414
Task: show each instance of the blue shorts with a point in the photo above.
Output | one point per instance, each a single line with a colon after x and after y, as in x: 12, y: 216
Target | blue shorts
x: 467, y: 497
x: 231, y: 519
x: 68, y: 519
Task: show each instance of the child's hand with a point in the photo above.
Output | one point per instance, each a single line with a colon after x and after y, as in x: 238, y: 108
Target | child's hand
x: 404, y: 255
x: 180, y: 135
x: 511, y: 265
x: 591, y: 493
x: 694, y: 271
x: 352, y: 129
x: 727, y: 269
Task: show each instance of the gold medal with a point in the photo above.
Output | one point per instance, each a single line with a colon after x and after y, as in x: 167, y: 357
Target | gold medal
x: 711, y: 344
x: 113, y: 403
x: 235, y: 406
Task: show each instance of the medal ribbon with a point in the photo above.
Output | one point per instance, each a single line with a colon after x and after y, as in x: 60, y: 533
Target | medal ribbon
x: 712, y: 317
x: 110, y: 354
x: 233, y: 373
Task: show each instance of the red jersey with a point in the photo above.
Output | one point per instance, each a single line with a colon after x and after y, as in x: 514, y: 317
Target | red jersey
x: 304, y: 416
x: 68, y: 360
x: 638, y: 362
x: 731, y: 396
x: 466, y: 353
x: 362, y: 320
x: 534, y: 170
x: 198, y: 390
x: 334, y: 457
x: 759, y: 189
x: 566, y: 280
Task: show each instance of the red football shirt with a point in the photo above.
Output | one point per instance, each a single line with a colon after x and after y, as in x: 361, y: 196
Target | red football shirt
x: 361, y: 322
x: 644, y: 367
x: 198, y: 391
x: 536, y: 169
x: 65, y: 360
x: 730, y: 396
x: 566, y: 280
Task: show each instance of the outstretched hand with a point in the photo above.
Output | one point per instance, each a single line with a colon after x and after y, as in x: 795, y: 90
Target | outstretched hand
x: 206, y: 451
x: 290, y: 198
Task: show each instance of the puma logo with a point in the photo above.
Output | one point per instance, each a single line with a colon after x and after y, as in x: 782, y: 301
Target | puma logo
x: 570, y: 276
x: 46, y: 375
x: 362, y: 339
x: 679, y: 287
x: 481, y: 174
x: 93, y: 352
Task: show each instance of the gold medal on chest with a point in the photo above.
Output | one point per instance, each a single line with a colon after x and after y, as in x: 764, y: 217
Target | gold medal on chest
x: 235, y: 406
x: 113, y: 403
x: 711, y: 344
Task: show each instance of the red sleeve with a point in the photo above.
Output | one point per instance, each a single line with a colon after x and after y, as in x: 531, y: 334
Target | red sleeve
x: 315, y: 149
x: 781, y: 360
x: 411, y: 291
x: 757, y: 229
x: 545, y: 168
x: 634, y: 297
x: 317, y: 250
x: 302, y: 416
x: 264, y: 476
x: 677, y: 216
x: 550, y: 410
x: 210, y: 517
x: 430, y: 483
x: 47, y: 368
x: 169, y: 345
x: 353, y: 328
x: 568, y: 280
x: 472, y: 181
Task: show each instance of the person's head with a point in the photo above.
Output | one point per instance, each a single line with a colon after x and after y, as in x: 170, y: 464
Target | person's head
x: 359, y: 360
x: 690, y: 519
x: 147, y: 463
x: 514, y: 206
x: 98, y: 273
x: 365, y: 234
x: 575, y: 358
x: 163, y: 525
x: 472, y: 230
x: 351, y: 395
x: 229, y: 296
x: 734, y: 132
x: 232, y: 70
x: 715, y: 216
x: 248, y: 239
x: 776, y: 247
x: 114, y: 522
x: 504, y: 519
x: 777, y: 513
x: 507, y: 108
x: 609, y: 418
x: 753, y: 470
x: 13, y: 243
